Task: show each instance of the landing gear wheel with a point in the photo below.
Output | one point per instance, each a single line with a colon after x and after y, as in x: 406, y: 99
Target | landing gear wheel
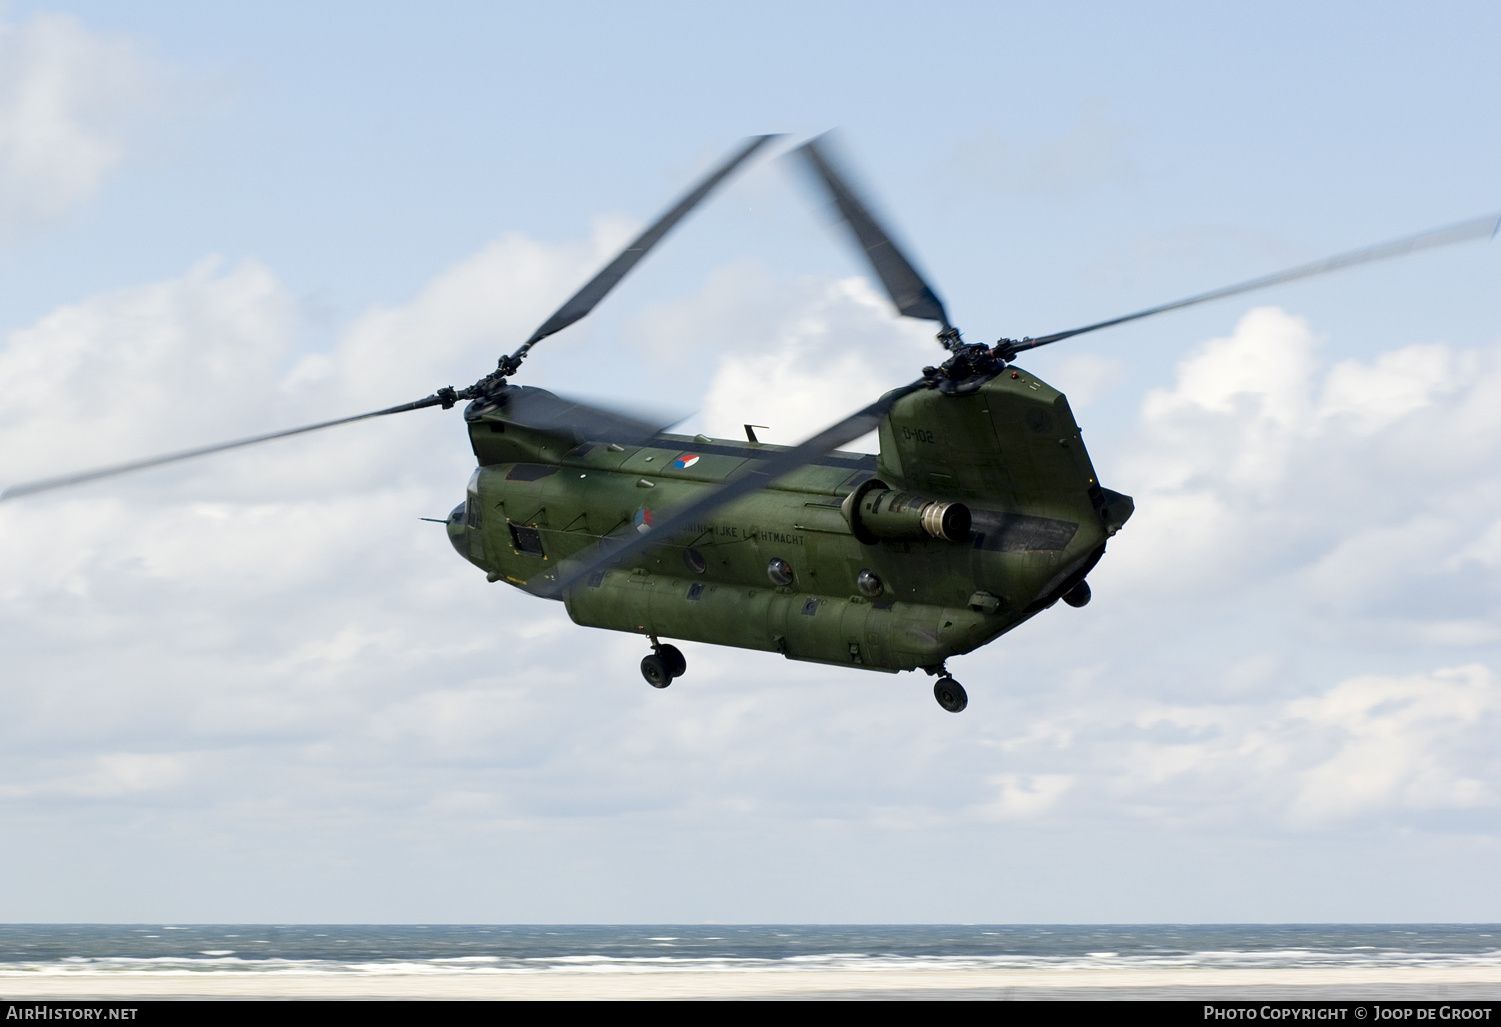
x: 654, y: 669
x: 950, y: 695
x: 1078, y: 595
x: 673, y: 657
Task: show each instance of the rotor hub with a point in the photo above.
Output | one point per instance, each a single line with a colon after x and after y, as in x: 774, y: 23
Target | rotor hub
x: 969, y: 366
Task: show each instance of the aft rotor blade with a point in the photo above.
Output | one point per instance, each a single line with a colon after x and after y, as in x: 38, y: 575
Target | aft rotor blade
x: 758, y: 476
x: 47, y: 484
x: 587, y: 298
x: 911, y: 294
x: 1463, y: 232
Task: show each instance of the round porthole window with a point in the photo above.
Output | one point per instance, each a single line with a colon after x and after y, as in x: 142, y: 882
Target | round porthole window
x: 695, y: 560
x: 779, y: 571
x: 869, y: 583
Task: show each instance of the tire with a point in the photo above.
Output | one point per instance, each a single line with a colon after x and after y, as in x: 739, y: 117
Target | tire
x: 654, y: 670
x: 671, y: 655
x: 950, y: 695
x: 1079, y: 595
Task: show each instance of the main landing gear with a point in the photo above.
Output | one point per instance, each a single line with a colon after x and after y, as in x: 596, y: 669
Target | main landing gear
x: 1077, y: 596
x: 949, y: 693
x: 665, y: 663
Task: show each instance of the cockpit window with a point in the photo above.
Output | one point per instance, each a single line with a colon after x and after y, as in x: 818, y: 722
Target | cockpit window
x: 473, y: 516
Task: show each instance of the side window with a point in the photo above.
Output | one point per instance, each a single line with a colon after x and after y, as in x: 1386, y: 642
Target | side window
x: 526, y: 540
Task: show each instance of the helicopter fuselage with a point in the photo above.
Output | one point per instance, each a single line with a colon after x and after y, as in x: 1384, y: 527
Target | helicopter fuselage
x: 834, y: 563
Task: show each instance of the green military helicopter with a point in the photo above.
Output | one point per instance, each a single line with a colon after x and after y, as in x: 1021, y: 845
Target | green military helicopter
x: 981, y: 511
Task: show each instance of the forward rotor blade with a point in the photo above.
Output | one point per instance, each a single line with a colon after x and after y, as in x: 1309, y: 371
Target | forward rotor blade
x: 911, y: 294
x: 47, y: 484
x: 758, y: 476
x: 549, y: 412
x: 587, y: 298
x: 1465, y: 231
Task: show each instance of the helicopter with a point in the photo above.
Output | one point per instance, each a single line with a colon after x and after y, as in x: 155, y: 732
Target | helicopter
x: 981, y: 510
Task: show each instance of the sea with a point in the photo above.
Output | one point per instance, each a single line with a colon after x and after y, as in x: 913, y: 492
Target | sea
x: 98, y: 950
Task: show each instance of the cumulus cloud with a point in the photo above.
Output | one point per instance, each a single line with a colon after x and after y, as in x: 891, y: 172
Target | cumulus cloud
x: 461, y: 322
x: 73, y: 104
x: 274, y: 641
x: 1354, y: 487
x: 794, y: 357
x: 1396, y: 741
x: 110, y: 776
x: 222, y: 594
x: 1297, y: 518
x: 148, y: 368
x: 829, y: 355
x: 1024, y: 795
x: 1372, y: 745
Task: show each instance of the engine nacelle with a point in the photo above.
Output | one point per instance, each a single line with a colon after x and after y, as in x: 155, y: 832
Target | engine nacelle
x: 874, y: 511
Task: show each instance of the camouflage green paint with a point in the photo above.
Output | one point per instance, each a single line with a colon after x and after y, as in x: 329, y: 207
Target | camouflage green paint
x: 1010, y: 451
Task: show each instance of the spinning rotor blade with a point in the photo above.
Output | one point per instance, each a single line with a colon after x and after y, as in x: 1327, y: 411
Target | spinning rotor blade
x: 1485, y: 227
x: 534, y: 408
x: 758, y: 476
x: 548, y: 412
x: 911, y: 294
x: 46, y: 484
x: 587, y: 298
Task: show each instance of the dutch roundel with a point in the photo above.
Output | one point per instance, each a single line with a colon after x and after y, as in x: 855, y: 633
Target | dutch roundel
x: 685, y: 461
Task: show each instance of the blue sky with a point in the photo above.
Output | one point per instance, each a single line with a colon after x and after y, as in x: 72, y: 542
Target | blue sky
x: 259, y: 689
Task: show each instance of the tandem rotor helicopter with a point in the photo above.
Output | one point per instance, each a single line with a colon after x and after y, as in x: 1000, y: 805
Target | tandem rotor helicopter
x: 981, y: 510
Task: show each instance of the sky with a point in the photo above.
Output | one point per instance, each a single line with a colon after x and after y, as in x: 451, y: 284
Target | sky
x: 258, y: 688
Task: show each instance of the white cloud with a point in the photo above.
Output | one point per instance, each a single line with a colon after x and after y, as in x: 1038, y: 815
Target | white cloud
x: 792, y: 356
x: 112, y: 776
x: 282, y: 616
x: 1394, y: 742
x: 142, y: 370
x: 1026, y: 795
x: 260, y: 590
x: 460, y: 323
x: 1373, y: 744
x: 1349, y: 486
x: 1396, y: 384
x: 72, y: 105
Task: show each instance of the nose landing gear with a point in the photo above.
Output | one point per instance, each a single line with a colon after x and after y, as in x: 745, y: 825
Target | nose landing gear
x: 665, y: 663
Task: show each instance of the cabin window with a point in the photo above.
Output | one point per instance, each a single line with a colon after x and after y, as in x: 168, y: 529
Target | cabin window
x: 695, y: 561
x: 779, y: 571
x: 530, y: 472
x: 526, y: 540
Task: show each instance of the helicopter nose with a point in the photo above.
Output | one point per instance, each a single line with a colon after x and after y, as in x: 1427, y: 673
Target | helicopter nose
x: 456, y: 536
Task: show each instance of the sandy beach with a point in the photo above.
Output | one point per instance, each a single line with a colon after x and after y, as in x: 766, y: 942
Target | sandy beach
x: 1421, y: 983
